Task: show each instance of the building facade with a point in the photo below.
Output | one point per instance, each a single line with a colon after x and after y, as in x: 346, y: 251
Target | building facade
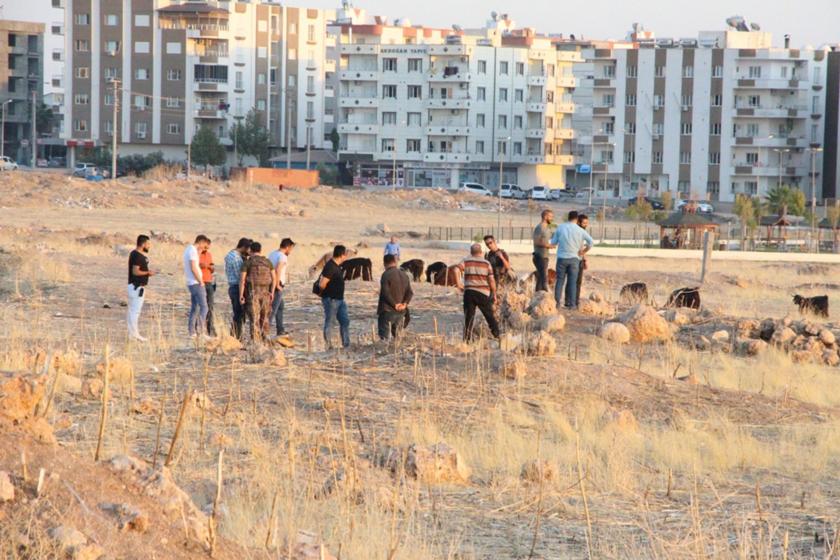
x: 708, y: 118
x: 179, y: 66
x: 21, y: 86
x: 441, y: 107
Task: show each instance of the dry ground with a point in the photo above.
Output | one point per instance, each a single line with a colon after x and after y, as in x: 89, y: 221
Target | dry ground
x: 740, y: 465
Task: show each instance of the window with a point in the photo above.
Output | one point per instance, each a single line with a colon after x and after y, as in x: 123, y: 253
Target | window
x: 520, y: 68
x: 112, y: 19
x: 517, y: 148
x: 80, y: 125
x: 310, y: 82
x: 57, y: 4
x: 56, y: 30
x: 686, y: 99
x: 714, y: 130
x: 292, y: 54
x: 659, y: 72
x: 82, y: 45
x: 482, y: 66
x: 717, y: 100
x: 503, y: 94
x: 292, y: 28
x: 389, y: 64
x: 502, y: 121
x: 608, y: 100
x: 481, y: 93
x: 685, y: 158
x: 261, y: 106
x: 82, y: 19
x: 56, y: 82
x: 657, y: 157
x: 479, y: 146
x: 630, y: 128
x: 609, y: 71
x: 752, y: 158
x: 549, y: 96
x: 173, y: 102
x: 501, y: 147
x: 517, y: 121
x: 549, y: 122
x: 389, y: 92
x: 629, y: 157
x: 389, y: 118
x: 751, y: 187
x: 713, y: 187
x: 140, y: 130
x: 658, y: 101
x: 414, y: 119
x: 141, y: 74
x: 503, y: 68
x: 141, y: 47
x: 173, y: 75
x: 109, y: 128
x: 683, y: 186
x: 815, y: 105
x: 658, y: 129
x: 310, y: 32
x: 630, y: 101
x: 685, y: 128
x: 141, y: 102
x: 81, y: 99
x: 173, y: 48
x: 752, y: 130
x: 57, y: 55
x: 609, y: 127
x: 415, y: 65
x: 173, y: 128
x: 415, y: 92
x: 754, y: 101
x: 714, y: 158
x: 141, y: 20
x: 606, y: 156
x: 815, y: 132
x: 112, y: 47
x: 717, y: 71
x: 412, y: 145
x: 632, y: 71
x: 688, y: 71
x: 387, y: 145
x: 83, y: 72
x: 262, y: 52
x: 817, y: 76
x: 755, y: 72
x: 518, y: 95
x: 479, y: 120
x: 111, y: 73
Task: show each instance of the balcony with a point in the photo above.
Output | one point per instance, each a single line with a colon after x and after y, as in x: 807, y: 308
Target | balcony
x: 329, y: 65
x: 447, y: 103
x: 210, y: 112
x: 358, y: 48
x: 568, y: 56
x: 449, y: 49
x: 564, y: 133
x: 600, y: 83
x: 566, y: 82
x: 442, y: 76
x: 761, y: 170
x: 358, y: 102
x: 564, y: 159
x: 359, y: 75
x: 446, y: 157
x: 351, y: 128
x: 448, y: 130
x: 564, y: 107
x: 534, y: 133
x: 776, y: 142
x: 772, y: 112
x: 210, y: 84
x: 535, y: 107
x: 603, y: 111
x: 536, y: 80
x: 329, y: 92
x: 771, y: 83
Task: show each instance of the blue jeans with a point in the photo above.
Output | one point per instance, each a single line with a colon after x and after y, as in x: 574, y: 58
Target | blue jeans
x: 336, y: 308
x: 198, y: 309
x: 567, y: 272
x: 238, y: 311
x: 277, y: 306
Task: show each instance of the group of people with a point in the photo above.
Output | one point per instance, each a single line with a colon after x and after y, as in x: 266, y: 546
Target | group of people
x: 257, y: 283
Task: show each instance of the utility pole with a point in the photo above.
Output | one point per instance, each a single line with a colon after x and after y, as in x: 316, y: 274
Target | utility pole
x: 34, y: 120
x: 288, y: 129
x: 3, y: 129
x: 189, y: 159
x: 114, y: 129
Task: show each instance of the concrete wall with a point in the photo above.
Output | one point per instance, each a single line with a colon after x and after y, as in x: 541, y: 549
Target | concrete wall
x: 293, y: 178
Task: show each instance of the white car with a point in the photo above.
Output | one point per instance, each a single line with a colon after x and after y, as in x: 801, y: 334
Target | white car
x: 539, y: 193
x: 80, y: 169
x: 513, y: 191
x: 475, y: 188
x: 703, y: 206
x: 7, y: 164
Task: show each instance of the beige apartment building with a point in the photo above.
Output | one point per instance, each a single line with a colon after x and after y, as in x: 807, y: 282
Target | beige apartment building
x: 21, y: 76
x: 178, y: 66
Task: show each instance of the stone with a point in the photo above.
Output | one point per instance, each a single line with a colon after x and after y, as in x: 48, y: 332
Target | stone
x: 827, y: 337
x: 383, y: 228
x: 615, y: 332
x: 538, y: 470
x: 766, y: 329
x: 67, y: 538
x: 551, y: 323
x: 129, y: 518
x: 720, y: 336
x: 307, y: 546
x: 509, y: 342
x: 542, y: 305
x: 7, y: 489
x: 787, y: 321
x: 224, y: 344
x: 40, y: 429
x: 748, y: 327
x: 517, y: 320
x: 541, y: 344
x: 68, y: 384
x: 597, y: 307
x: 645, y: 324
x: 701, y: 342
x: 830, y: 357
x: 783, y: 336
x: 438, y: 463
x: 120, y: 371
x: 812, y: 329
x: 278, y: 359
x: 19, y: 397
x: 92, y: 388
x: 677, y: 317
x: 91, y: 551
x: 753, y: 347
x: 801, y: 356
x: 284, y: 341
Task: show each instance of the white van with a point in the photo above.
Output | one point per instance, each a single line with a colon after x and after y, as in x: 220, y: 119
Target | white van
x: 475, y: 188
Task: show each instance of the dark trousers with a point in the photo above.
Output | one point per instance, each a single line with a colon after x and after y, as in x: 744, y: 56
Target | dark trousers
x: 567, y: 277
x: 473, y: 300
x: 541, y: 267
x: 579, y: 282
x: 211, y: 292
x: 391, y: 323
x: 238, y: 311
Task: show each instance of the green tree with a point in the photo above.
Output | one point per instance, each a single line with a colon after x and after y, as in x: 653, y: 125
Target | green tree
x: 45, y: 119
x: 784, y: 197
x: 640, y: 210
x: 746, y: 212
x: 327, y: 175
x: 335, y: 139
x: 205, y: 148
x: 252, y: 138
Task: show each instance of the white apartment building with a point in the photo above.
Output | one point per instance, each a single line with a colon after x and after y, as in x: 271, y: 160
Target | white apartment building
x: 184, y: 65
x: 711, y: 117
x: 445, y: 106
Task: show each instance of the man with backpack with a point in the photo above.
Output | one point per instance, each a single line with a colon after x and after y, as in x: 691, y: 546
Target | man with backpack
x: 255, y: 291
x: 330, y: 286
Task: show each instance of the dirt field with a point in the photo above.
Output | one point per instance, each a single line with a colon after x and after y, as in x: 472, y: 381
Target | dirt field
x: 679, y: 449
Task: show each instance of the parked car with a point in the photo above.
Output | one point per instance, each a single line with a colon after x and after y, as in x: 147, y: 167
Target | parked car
x: 57, y: 162
x: 475, y: 188
x: 583, y: 195
x: 93, y: 173
x: 655, y: 204
x: 703, y: 206
x: 539, y: 193
x: 562, y: 194
x: 513, y: 191
x: 7, y: 164
x: 80, y: 169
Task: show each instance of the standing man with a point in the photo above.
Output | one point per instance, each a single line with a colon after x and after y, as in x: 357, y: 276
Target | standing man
x: 542, y: 246
x: 393, y: 247
x: 256, y: 283
x: 331, y: 290
x: 499, y: 261
x: 138, y: 278
x: 195, y: 284
x: 394, y: 296
x: 208, y: 276
x: 280, y: 261
x: 234, y: 261
x: 583, y: 222
x: 572, y: 244
x: 479, y: 289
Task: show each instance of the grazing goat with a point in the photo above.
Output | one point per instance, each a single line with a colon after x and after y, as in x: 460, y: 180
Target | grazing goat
x: 448, y: 277
x: 685, y: 297
x: 635, y: 292
x: 359, y: 267
x: 414, y: 267
x: 433, y: 270
x: 817, y: 305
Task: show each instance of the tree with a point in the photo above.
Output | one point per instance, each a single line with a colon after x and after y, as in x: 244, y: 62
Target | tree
x: 205, y: 148
x: 784, y: 197
x: 640, y: 210
x: 668, y: 200
x: 335, y: 139
x: 252, y: 138
x: 44, y: 120
x: 745, y: 210
x: 832, y: 214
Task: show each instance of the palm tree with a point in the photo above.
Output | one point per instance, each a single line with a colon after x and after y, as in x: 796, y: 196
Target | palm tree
x: 784, y: 197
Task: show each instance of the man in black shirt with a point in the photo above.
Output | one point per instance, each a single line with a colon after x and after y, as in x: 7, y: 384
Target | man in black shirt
x: 394, y: 296
x: 138, y: 278
x: 498, y: 260
x: 331, y: 284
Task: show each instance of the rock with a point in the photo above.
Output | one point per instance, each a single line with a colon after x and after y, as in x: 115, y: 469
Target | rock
x: 783, y: 336
x: 812, y: 329
x: 509, y: 342
x: 677, y: 317
x: 224, y: 344
x: 537, y: 470
x: 92, y: 388
x: 701, y: 342
x: 40, y: 429
x: 551, y: 324
x: 307, y: 546
x: 599, y: 307
x: 68, y: 384
x: 720, y: 336
x: 766, y: 330
x: 517, y: 320
x: 19, y: 397
x: 787, y: 321
x: 748, y: 328
x: 129, y: 518
x: 645, y: 324
x: 89, y: 551
x: 830, y: 357
x: 827, y: 337
x: 436, y: 463
x: 383, y: 228
x: 542, y: 305
x: 67, y: 538
x: 615, y: 332
x: 541, y: 344
x: 753, y: 347
x: 7, y: 489
x: 278, y: 359
x: 801, y: 356
x: 120, y: 372
x: 284, y: 341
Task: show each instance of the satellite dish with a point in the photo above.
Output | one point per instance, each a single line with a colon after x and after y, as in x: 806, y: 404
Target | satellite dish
x: 755, y: 27
x: 456, y: 27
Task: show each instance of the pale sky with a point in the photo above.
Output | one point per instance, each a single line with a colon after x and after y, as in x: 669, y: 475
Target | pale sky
x: 809, y: 22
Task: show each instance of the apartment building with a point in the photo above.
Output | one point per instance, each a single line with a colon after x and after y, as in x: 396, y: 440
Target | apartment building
x: 445, y: 106
x: 21, y: 76
x: 711, y: 117
x: 179, y: 66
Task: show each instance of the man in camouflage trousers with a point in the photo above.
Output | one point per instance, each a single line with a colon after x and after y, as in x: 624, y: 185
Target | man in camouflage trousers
x: 255, y: 291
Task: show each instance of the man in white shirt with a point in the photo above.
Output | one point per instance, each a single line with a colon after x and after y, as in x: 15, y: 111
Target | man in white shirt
x: 280, y: 260
x: 195, y: 284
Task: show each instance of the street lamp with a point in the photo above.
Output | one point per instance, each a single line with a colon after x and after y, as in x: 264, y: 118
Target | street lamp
x: 501, y: 175
x: 780, y: 151
x: 814, y: 152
